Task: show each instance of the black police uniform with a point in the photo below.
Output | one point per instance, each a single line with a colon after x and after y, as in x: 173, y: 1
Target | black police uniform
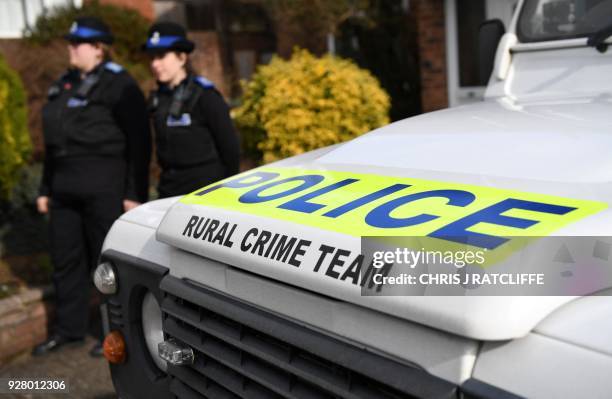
x: 195, y: 139
x: 98, y: 146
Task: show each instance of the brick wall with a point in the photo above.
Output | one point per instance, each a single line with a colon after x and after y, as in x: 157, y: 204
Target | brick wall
x: 25, y: 320
x: 145, y: 7
x: 289, y: 35
x: 431, y: 36
x: 23, y: 323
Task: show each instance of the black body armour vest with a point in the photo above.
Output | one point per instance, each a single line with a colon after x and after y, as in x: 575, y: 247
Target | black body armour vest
x: 78, y: 119
x: 183, y: 138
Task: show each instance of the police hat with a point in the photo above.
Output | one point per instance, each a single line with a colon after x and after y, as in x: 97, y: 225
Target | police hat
x: 89, y: 30
x: 167, y: 36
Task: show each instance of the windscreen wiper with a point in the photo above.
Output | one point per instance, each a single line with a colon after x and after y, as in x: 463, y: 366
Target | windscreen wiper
x: 598, y: 39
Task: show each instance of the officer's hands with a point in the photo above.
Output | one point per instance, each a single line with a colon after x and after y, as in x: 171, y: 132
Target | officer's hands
x: 42, y: 203
x: 128, y: 205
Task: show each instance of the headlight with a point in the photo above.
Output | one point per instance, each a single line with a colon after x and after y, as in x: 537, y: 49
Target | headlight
x: 152, y: 328
x: 104, y: 279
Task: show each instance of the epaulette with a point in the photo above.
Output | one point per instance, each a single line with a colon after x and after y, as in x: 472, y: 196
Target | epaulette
x: 113, y: 67
x: 205, y: 83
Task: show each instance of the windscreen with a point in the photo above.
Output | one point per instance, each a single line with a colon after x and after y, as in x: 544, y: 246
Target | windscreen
x: 542, y: 20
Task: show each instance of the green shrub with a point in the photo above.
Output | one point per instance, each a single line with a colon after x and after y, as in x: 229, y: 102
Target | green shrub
x: 290, y: 107
x: 15, y: 145
x: 23, y: 230
x: 128, y: 26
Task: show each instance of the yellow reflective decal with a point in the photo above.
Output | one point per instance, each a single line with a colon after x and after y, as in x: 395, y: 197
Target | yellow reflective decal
x: 361, y: 204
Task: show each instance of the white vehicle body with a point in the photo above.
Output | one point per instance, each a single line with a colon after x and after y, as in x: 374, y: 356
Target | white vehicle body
x: 544, y: 128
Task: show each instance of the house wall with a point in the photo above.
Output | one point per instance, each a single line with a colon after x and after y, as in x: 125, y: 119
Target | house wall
x: 206, y: 59
x: 431, y: 41
x: 145, y: 7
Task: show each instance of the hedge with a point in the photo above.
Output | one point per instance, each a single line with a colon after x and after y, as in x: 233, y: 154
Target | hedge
x: 15, y: 145
x: 290, y: 107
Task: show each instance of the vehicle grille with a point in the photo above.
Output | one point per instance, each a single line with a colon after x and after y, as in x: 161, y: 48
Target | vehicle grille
x: 115, y: 313
x: 244, y: 352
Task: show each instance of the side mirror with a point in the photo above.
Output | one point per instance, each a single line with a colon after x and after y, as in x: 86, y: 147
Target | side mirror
x: 489, y: 35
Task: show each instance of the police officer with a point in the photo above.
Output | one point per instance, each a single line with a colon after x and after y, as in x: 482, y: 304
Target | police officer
x: 195, y: 140
x: 97, y: 146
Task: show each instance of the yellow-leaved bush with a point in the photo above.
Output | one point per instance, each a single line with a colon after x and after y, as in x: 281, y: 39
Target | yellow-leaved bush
x: 291, y: 107
x: 15, y: 145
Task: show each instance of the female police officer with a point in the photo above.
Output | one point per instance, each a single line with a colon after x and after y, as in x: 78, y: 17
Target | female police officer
x: 97, y: 145
x: 196, y: 141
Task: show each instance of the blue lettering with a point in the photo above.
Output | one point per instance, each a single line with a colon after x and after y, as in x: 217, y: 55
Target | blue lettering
x: 301, y: 204
x: 242, y: 181
x: 458, y: 230
x: 334, y: 213
x: 254, y: 196
x: 381, y: 216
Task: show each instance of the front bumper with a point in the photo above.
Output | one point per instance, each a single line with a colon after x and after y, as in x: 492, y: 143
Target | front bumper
x: 244, y: 351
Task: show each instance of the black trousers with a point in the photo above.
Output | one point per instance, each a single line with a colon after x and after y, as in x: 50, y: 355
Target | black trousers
x: 78, y: 228
x: 181, y: 181
x: 81, y: 214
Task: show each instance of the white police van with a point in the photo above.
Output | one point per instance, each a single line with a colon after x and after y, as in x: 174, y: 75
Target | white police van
x: 254, y: 287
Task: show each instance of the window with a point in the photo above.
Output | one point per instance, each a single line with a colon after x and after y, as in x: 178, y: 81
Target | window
x: 562, y: 19
x: 463, y: 19
x: 17, y: 15
x: 192, y: 14
x: 470, y: 14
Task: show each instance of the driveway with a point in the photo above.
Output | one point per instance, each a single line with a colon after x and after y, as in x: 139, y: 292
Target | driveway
x: 87, y: 377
